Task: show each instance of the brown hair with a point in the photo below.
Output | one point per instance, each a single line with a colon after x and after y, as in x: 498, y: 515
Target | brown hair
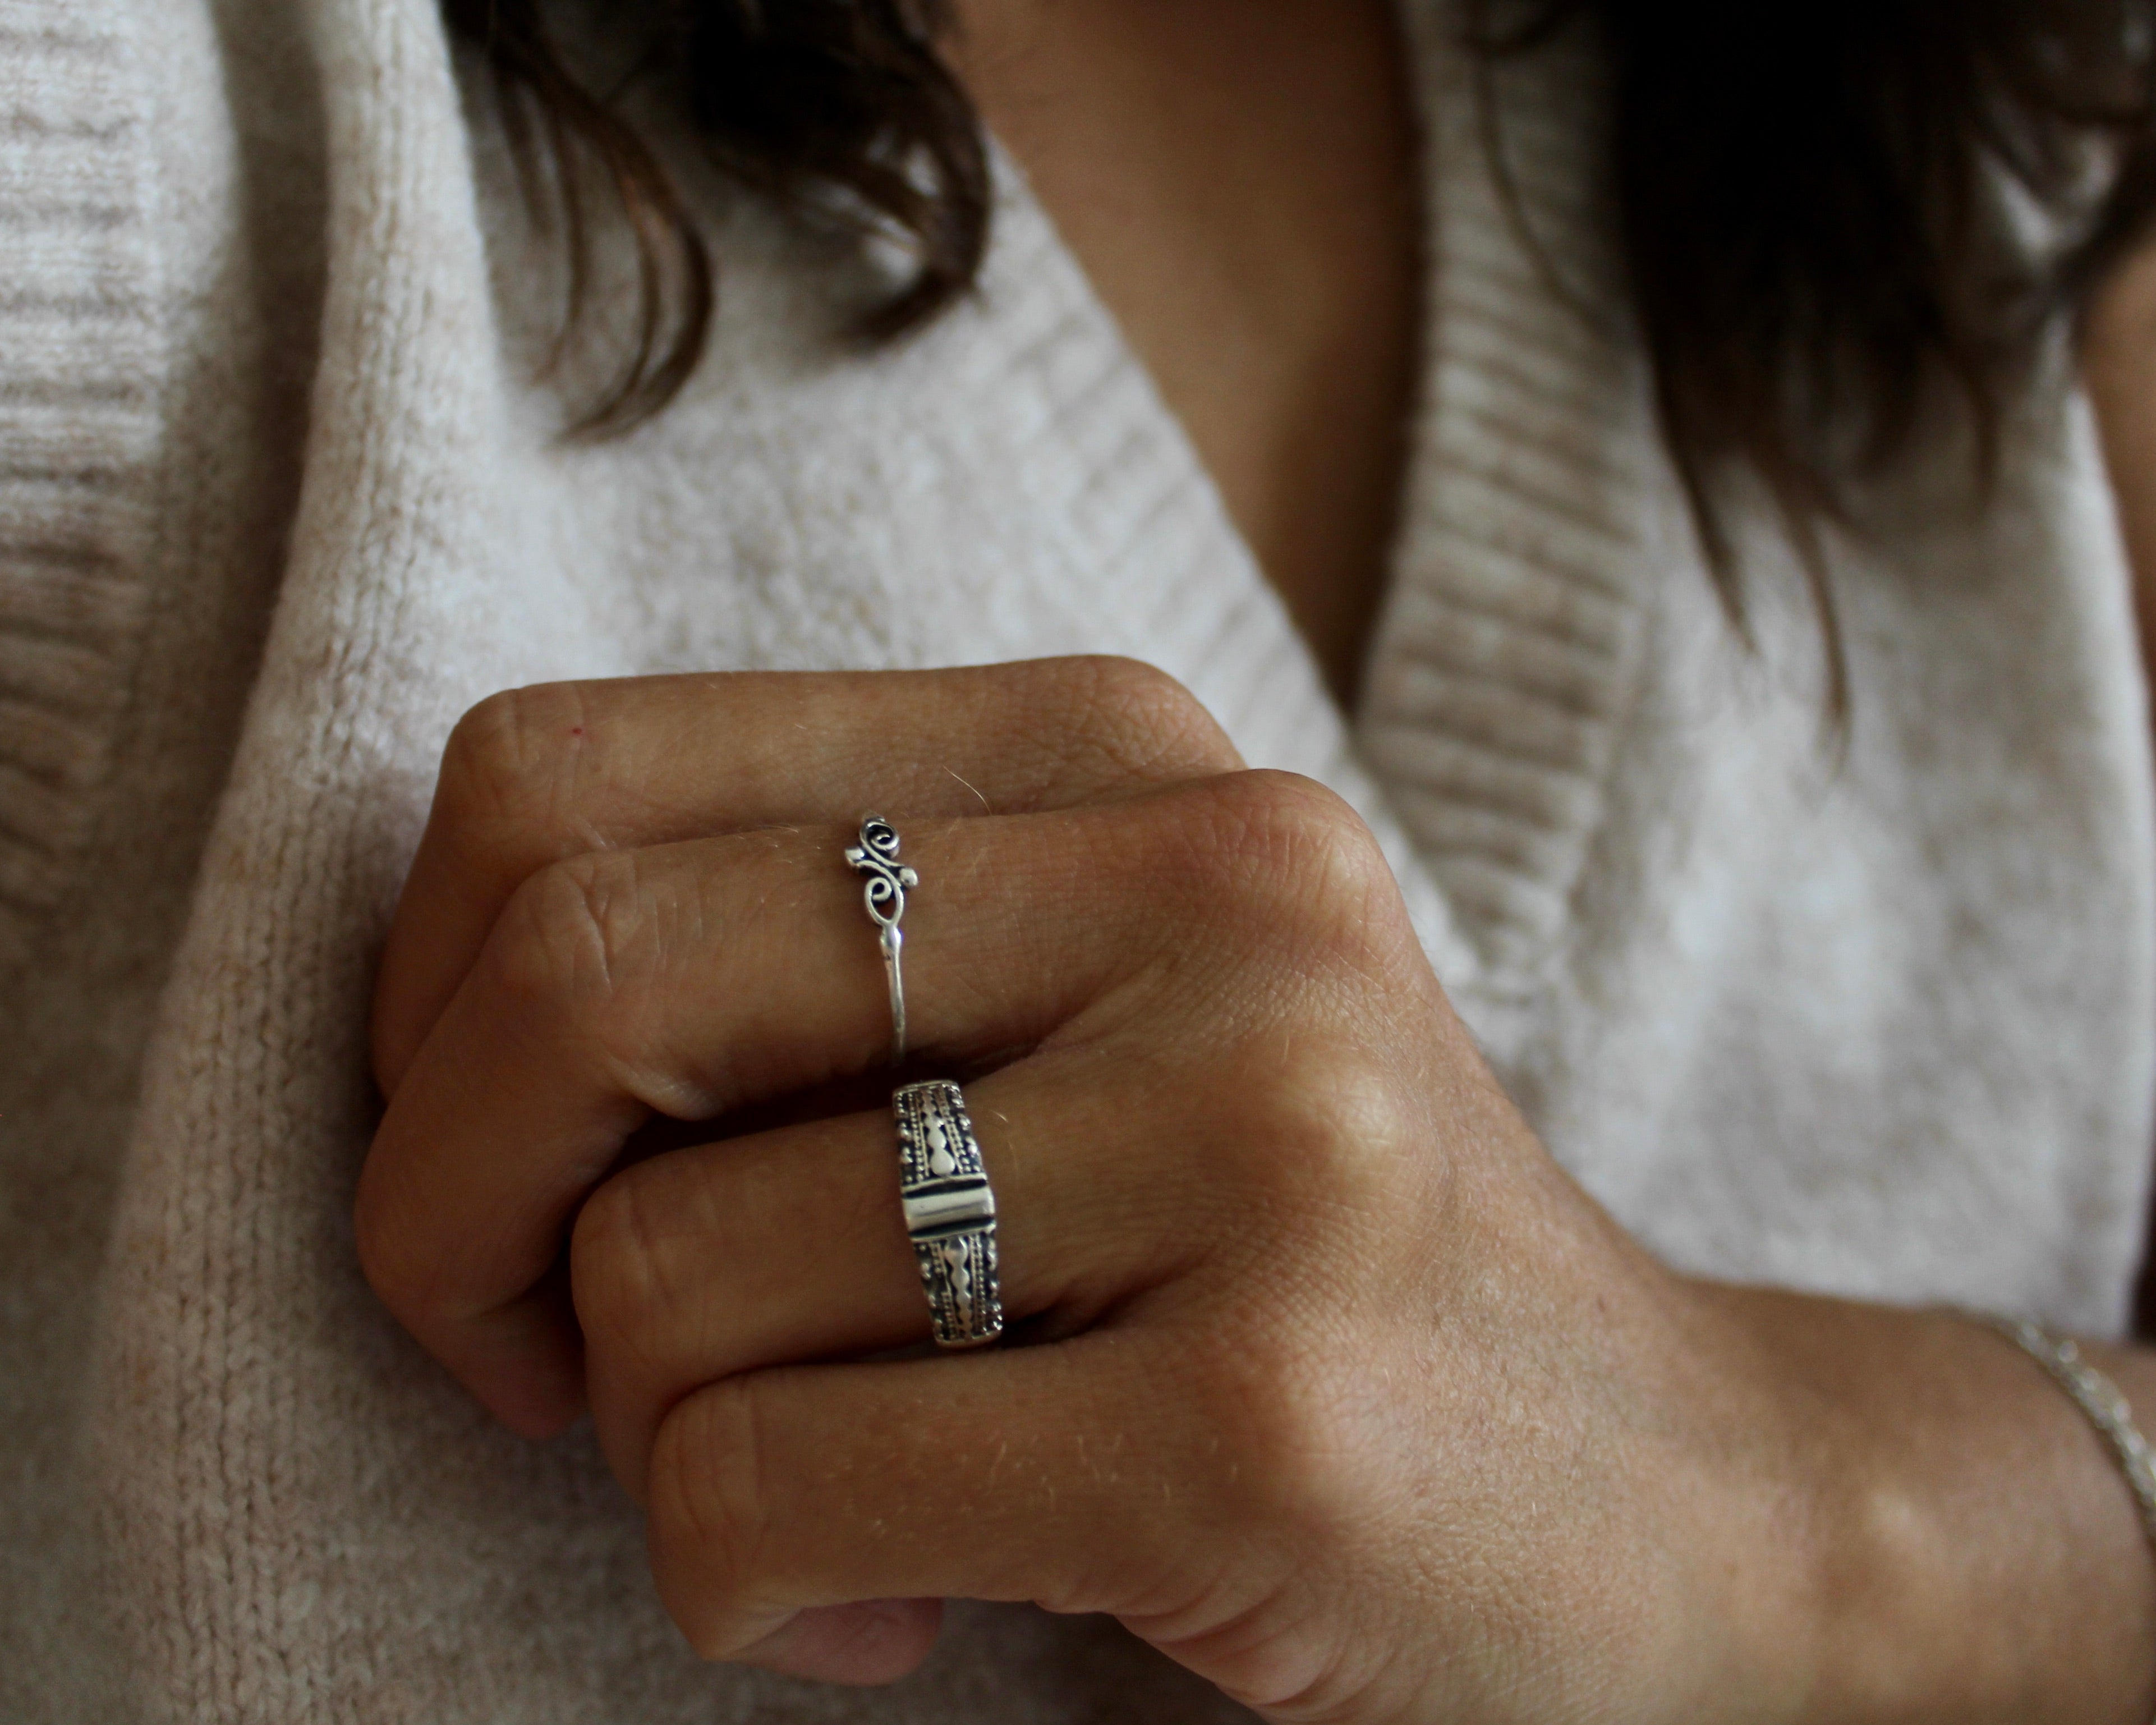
x: 1815, y: 202
x: 841, y: 104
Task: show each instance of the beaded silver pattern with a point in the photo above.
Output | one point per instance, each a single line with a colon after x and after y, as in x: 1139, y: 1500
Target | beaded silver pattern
x: 2098, y: 1397
x: 950, y: 1212
x: 883, y: 893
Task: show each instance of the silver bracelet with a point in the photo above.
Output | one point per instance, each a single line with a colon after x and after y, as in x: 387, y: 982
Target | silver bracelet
x: 2098, y: 1398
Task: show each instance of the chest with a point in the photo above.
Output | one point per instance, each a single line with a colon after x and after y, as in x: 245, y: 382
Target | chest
x: 1238, y: 184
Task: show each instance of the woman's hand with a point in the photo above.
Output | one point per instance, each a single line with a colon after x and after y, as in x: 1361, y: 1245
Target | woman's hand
x: 1342, y: 1394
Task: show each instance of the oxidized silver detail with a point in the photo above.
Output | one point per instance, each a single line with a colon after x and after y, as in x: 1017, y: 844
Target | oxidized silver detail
x: 883, y: 893
x: 950, y: 1212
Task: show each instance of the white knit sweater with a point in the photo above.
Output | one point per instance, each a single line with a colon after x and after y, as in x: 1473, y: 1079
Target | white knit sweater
x: 278, y: 499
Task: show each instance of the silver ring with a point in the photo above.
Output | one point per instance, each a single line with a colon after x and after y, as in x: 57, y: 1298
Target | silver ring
x: 950, y: 1212
x: 877, y: 856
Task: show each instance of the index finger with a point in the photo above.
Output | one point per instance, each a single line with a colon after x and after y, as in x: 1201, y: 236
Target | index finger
x: 535, y: 775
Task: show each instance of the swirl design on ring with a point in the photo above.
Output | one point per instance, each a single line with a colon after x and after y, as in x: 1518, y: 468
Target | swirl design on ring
x: 877, y: 856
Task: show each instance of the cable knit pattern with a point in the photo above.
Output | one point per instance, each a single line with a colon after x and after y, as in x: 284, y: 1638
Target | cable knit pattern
x: 1888, y: 1029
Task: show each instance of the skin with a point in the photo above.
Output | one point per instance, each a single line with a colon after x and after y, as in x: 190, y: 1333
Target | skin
x: 1245, y: 202
x: 1342, y: 1393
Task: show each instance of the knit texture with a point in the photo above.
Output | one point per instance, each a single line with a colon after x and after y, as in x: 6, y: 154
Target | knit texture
x: 1885, y: 1029
x: 153, y: 362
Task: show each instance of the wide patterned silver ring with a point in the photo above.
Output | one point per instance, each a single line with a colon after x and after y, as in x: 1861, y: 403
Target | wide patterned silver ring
x: 950, y: 1212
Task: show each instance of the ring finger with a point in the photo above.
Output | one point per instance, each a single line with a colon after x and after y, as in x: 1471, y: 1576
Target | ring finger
x: 790, y: 1245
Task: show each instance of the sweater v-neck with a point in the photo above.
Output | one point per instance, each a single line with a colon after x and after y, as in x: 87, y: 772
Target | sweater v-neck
x: 1508, y: 634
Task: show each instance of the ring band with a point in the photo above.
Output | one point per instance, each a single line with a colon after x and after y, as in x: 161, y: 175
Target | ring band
x: 877, y: 856
x: 950, y: 1212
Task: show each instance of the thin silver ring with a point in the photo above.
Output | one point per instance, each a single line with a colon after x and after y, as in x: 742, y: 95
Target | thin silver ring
x: 950, y: 1212
x: 877, y: 856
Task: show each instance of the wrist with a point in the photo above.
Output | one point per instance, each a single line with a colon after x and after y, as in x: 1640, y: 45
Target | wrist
x: 1771, y: 1581
x: 1956, y: 1542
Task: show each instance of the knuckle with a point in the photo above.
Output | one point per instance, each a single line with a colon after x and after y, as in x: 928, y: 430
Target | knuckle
x: 578, y: 933
x: 379, y: 1243
x: 508, y: 759
x: 1279, y: 852
x: 1297, y: 828
x: 588, y: 954
x: 1293, y: 1426
x: 1310, y: 1449
x: 1152, y: 706
x: 621, y: 1274
x: 406, y: 1273
x: 1141, y: 720
x: 709, y: 1512
x: 1327, y: 1131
